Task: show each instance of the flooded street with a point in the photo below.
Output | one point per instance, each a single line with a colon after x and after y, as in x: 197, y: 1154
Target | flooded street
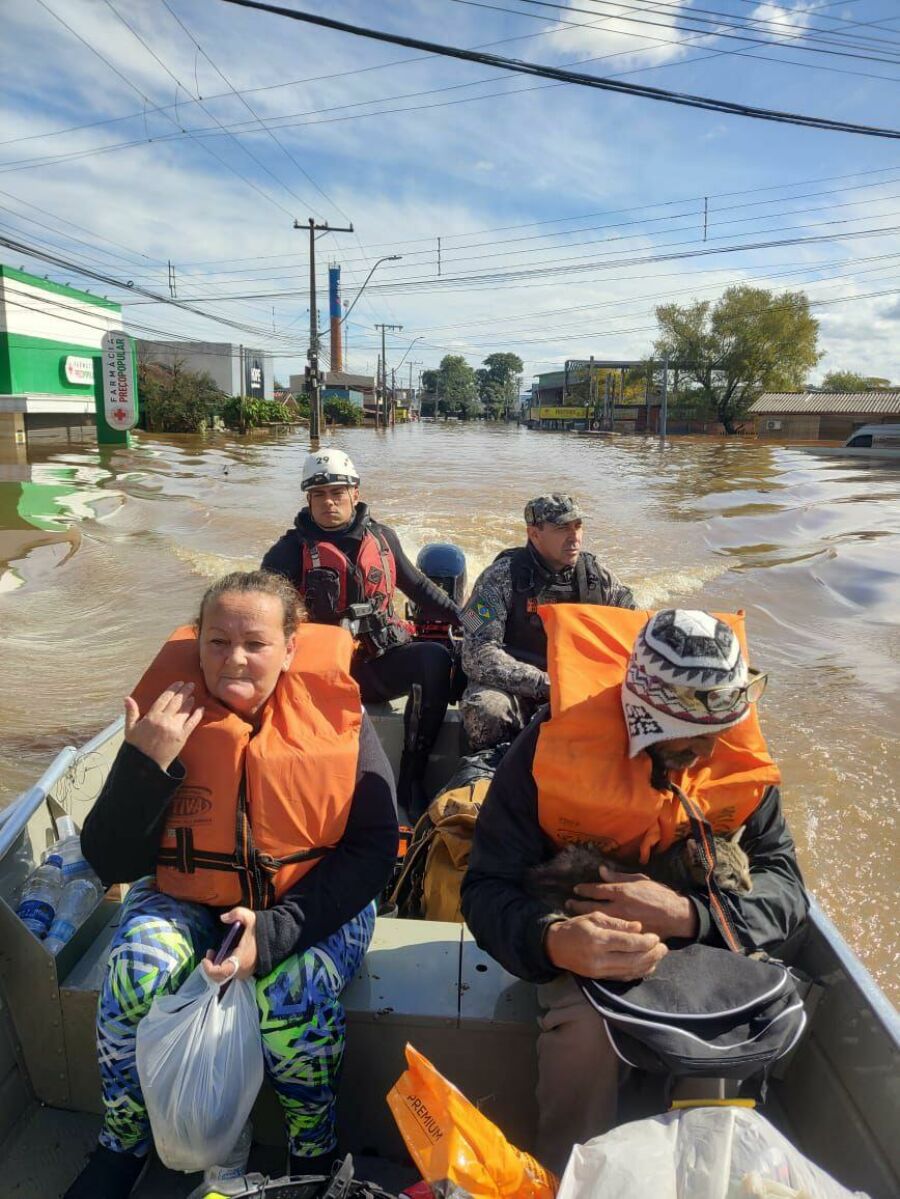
x: 102, y: 553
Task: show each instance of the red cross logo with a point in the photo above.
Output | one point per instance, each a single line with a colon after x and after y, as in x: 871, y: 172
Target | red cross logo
x: 119, y: 414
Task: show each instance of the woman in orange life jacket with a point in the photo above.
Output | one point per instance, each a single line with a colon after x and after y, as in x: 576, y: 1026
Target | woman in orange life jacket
x: 337, y: 555
x: 636, y: 705
x: 251, y: 787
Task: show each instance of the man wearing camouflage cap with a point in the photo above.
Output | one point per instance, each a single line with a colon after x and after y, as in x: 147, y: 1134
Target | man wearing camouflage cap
x: 505, y: 648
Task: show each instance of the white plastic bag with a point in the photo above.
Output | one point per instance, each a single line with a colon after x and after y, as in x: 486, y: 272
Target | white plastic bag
x: 699, y: 1153
x: 200, y: 1065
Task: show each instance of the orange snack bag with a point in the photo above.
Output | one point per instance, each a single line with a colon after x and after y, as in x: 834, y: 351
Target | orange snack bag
x: 448, y: 1138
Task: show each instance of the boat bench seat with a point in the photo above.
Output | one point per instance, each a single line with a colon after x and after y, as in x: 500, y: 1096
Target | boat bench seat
x: 422, y: 982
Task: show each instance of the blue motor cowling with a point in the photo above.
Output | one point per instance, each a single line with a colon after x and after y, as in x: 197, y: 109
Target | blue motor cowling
x: 445, y: 564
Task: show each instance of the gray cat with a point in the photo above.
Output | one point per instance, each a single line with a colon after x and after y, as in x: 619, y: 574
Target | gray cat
x: 553, y: 882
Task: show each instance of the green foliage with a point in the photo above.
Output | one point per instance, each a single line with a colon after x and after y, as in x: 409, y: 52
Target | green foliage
x: 457, y: 394
x: 498, y: 384
x: 243, y: 413
x: 175, y: 400
x: 302, y: 407
x: 728, y: 353
x: 341, y: 411
x: 849, y: 381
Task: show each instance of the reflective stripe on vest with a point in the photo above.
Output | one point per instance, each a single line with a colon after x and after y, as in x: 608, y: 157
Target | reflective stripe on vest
x: 258, y: 809
x: 588, y: 787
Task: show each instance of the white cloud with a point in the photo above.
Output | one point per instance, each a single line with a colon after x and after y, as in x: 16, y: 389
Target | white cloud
x: 429, y: 172
x: 623, y: 40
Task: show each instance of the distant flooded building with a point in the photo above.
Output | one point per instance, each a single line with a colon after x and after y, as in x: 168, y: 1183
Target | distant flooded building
x: 49, y: 336
x: 821, y: 415
x: 235, y: 370
x: 565, y: 399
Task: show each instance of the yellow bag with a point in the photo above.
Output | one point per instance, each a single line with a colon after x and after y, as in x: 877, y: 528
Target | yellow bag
x: 429, y: 884
x: 448, y: 1138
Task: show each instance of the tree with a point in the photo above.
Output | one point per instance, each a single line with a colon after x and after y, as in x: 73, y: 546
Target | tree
x: 455, y: 387
x: 175, y: 400
x: 849, y: 381
x: 341, y: 411
x: 498, y: 384
x: 728, y: 353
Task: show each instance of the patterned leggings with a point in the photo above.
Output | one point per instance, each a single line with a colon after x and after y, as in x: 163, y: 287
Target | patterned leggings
x: 159, y: 942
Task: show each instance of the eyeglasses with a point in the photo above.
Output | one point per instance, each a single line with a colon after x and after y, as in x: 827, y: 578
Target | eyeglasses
x: 719, y: 700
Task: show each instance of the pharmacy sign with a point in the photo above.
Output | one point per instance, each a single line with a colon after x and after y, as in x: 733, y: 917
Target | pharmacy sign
x: 119, y: 381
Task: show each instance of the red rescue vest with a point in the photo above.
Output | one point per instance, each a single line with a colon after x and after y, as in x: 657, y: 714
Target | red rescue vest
x: 588, y: 787
x: 259, y: 808
x: 373, y: 575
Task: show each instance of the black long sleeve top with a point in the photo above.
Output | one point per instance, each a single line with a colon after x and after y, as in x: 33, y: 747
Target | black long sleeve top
x: 122, y: 832
x: 510, y: 925
x: 284, y: 557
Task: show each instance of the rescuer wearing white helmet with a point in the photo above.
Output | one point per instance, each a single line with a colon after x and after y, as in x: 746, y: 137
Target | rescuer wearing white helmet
x: 340, y: 559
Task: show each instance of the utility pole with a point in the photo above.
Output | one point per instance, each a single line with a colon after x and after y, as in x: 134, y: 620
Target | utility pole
x: 411, y: 365
x: 393, y: 394
x: 313, y: 382
x: 383, y: 381
x: 664, y: 411
x: 592, y: 394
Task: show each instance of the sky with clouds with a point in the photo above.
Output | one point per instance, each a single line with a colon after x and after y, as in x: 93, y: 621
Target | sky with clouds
x: 531, y: 216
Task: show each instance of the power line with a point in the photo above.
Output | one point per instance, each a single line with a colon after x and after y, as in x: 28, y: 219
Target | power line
x: 696, y: 15
x: 615, y: 212
x: 578, y: 78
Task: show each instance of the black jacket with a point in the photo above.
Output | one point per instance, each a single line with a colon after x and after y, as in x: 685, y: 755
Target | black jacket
x: 285, y: 556
x: 122, y: 832
x: 510, y: 925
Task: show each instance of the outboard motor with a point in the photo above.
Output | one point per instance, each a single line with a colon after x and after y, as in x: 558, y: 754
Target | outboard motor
x: 445, y: 565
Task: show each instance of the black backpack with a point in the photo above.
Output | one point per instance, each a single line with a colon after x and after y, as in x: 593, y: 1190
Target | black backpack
x: 716, y: 1013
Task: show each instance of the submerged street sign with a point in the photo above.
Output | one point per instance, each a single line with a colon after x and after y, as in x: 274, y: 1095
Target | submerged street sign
x: 119, y: 382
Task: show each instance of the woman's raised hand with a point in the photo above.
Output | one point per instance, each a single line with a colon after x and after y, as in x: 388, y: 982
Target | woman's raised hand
x: 163, y: 730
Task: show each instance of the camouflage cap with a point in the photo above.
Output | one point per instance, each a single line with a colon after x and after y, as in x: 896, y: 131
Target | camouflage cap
x: 555, y: 509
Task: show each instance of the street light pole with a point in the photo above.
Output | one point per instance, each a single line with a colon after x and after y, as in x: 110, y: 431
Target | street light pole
x: 314, y: 383
x: 387, y: 258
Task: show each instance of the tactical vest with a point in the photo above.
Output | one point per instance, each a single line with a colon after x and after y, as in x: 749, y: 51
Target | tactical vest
x: 258, y: 808
x: 588, y: 787
x: 525, y: 638
x: 373, y: 577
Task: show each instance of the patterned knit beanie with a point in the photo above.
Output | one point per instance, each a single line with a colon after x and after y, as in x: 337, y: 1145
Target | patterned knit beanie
x: 677, y: 653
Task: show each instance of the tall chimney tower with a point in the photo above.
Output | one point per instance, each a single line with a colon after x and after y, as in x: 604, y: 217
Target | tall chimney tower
x: 334, y: 310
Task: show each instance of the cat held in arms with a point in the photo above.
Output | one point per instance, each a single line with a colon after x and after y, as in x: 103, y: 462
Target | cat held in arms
x: 680, y: 867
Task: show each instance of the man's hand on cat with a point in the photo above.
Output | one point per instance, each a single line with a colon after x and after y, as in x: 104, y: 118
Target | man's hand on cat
x: 657, y: 909
x: 597, y: 945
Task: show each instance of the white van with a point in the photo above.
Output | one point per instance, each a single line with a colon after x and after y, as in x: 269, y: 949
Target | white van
x: 869, y: 441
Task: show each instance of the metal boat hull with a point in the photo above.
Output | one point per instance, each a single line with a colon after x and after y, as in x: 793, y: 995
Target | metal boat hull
x: 837, y: 1096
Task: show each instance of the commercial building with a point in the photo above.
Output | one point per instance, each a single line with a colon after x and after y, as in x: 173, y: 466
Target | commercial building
x: 821, y: 415
x: 235, y: 370
x: 567, y: 399
x: 50, y: 334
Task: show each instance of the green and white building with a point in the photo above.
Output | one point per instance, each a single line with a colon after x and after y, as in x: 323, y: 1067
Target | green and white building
x: 49, y: 336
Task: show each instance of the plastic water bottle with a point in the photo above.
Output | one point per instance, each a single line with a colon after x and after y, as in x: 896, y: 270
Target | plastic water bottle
x: 235, y: 1165
x: 40, y: 895
x: 68, y: 847
x: 78, y: 899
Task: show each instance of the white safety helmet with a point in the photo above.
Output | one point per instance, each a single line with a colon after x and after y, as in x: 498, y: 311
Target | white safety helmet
x: 328, y: 468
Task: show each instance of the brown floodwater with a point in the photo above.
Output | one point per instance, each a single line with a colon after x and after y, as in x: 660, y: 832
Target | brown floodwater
x: 102, y: 553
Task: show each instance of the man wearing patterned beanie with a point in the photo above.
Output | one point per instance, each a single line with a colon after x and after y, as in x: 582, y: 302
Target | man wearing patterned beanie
x: 648, y: 717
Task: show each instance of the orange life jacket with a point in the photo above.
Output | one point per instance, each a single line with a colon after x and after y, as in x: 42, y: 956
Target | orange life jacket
x: 588, y: 787
x: 258, y: 810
